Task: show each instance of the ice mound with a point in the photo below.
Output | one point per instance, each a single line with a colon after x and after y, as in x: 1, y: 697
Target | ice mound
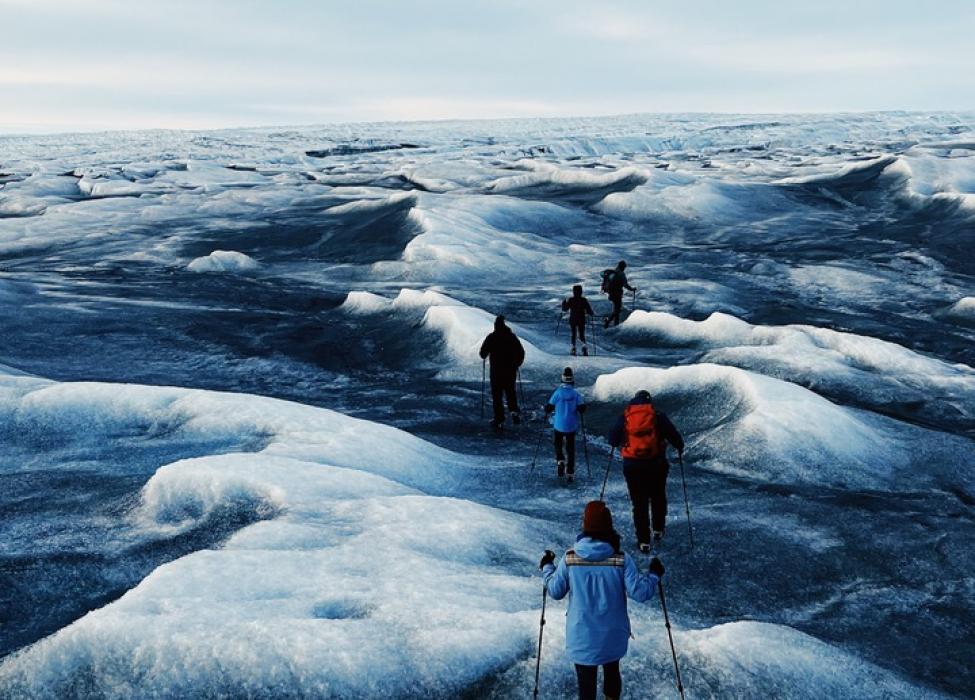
x: 757, y: 659
x: 465, y: 238
x: 551, y: 180
x: 356, y: 587
x: 751, y: 425
x: 364, y: 303
x: 463, y: 329
x: 92, y: 413
x: 963, y: 309
x: 873, y: 371
x: 349, y: 561
x: 223, y: 261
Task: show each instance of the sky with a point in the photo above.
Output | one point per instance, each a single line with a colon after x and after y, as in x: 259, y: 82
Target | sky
x: 79, y: 65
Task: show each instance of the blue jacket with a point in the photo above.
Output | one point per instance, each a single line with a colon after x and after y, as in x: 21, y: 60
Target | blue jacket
x: 566, y: 401
x: 597, y: 628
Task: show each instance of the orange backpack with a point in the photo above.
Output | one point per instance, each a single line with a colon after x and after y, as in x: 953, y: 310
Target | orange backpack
x: 642, y: 439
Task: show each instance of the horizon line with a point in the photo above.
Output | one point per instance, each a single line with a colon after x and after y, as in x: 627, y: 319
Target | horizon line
x: 446, y: 120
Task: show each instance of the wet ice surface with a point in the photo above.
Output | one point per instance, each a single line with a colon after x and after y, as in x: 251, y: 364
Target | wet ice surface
x: 811, y: 276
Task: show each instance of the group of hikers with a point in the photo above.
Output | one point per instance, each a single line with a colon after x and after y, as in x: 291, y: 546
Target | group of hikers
x: 596, y: 573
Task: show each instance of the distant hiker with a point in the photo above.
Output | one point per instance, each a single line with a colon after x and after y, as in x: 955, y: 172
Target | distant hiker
x: 506, y: 355
x: 600, y: 577
x: 614, y: 282
x: 579, y: 310
x: 643, y: 434
x: 566, y: 403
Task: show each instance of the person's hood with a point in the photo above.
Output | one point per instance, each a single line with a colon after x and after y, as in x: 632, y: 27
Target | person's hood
x: 499, y: 324
x: 567, y: 385
x: 641, y: 402
x: 593, y: 550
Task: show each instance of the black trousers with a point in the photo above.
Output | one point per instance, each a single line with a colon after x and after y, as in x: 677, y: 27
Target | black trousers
x: 614, y: 317
x: 503, y: 384
x: 612, y: 681
x: 570, y: 446
x: 578, y: 327
x: 647, y: 484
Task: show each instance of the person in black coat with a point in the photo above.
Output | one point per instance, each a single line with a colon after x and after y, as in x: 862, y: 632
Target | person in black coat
x: 614, y: 284
x: 579, y: 309
x: 506, y: 355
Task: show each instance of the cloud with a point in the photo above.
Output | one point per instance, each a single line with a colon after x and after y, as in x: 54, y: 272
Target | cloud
x: 205, y: 62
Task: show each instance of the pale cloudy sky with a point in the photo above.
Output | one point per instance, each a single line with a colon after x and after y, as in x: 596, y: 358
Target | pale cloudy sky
x: 107, y: 64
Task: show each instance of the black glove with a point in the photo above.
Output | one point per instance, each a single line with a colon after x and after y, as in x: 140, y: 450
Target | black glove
x: 581, y: 408
x: 657, y: 567
x: 547, y: 558
x: 549, y: 408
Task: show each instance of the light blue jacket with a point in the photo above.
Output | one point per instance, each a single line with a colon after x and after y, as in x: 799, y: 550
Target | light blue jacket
x: 597, y: 628
x: 566, y: 401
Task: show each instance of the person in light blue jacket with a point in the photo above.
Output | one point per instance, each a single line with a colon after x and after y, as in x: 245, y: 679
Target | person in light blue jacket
x: 600, y: 576
x: 567, y: 405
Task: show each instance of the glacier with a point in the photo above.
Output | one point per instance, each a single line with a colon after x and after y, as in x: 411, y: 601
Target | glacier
x: 241, y: 450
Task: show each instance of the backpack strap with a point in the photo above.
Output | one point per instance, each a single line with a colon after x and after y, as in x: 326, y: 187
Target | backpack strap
x: 573, y: 559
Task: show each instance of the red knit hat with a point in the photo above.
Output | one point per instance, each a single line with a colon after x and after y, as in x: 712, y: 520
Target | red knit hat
x: 597, y: 519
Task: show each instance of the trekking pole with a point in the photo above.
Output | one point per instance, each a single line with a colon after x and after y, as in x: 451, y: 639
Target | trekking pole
x: 585, y: 442
x: 483, y: 366
x: 538, y: 444
x: 592, y: 328
x: 633, y: 303
x: 606, y: 478
x: 558, y: 324
x: 521, y: 386
x: 670, y: 636
x: 687, y: 507
x: 541, y: 629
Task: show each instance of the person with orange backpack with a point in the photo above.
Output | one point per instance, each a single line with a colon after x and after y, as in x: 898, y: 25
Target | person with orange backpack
x: 642, y: 433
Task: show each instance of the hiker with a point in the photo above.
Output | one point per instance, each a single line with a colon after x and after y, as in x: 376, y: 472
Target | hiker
x: 599, y: 576
x: 579, y: 310
x: 567, y: 405
x: 506, y: 354
x: 614, y: 281
x: 643, y: 434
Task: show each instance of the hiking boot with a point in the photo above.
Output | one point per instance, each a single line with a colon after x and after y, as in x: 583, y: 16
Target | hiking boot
x: 606, y: 322
x: 516, y: 417
x: 658, y: 535
x: 561, y: 467
x: 496, y: 424
x: 570, y: 478
x: 645, y: 548
x: 571, y: 474
x: 585, y: 351
x: 572, y: 350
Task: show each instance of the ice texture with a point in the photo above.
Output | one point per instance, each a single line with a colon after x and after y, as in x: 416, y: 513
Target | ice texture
x: 849, y: 365
x: 271, y: 479
x: 347, y: 554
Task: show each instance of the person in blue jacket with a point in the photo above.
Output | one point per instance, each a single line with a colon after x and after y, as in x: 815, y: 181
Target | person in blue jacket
x: 566, y: 404
x: 600, y: 577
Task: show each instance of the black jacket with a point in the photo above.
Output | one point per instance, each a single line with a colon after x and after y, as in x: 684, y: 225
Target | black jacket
x: 617, y: 437
x: 505, y: 351
x: 616, y: 284
x: 578, y: 308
